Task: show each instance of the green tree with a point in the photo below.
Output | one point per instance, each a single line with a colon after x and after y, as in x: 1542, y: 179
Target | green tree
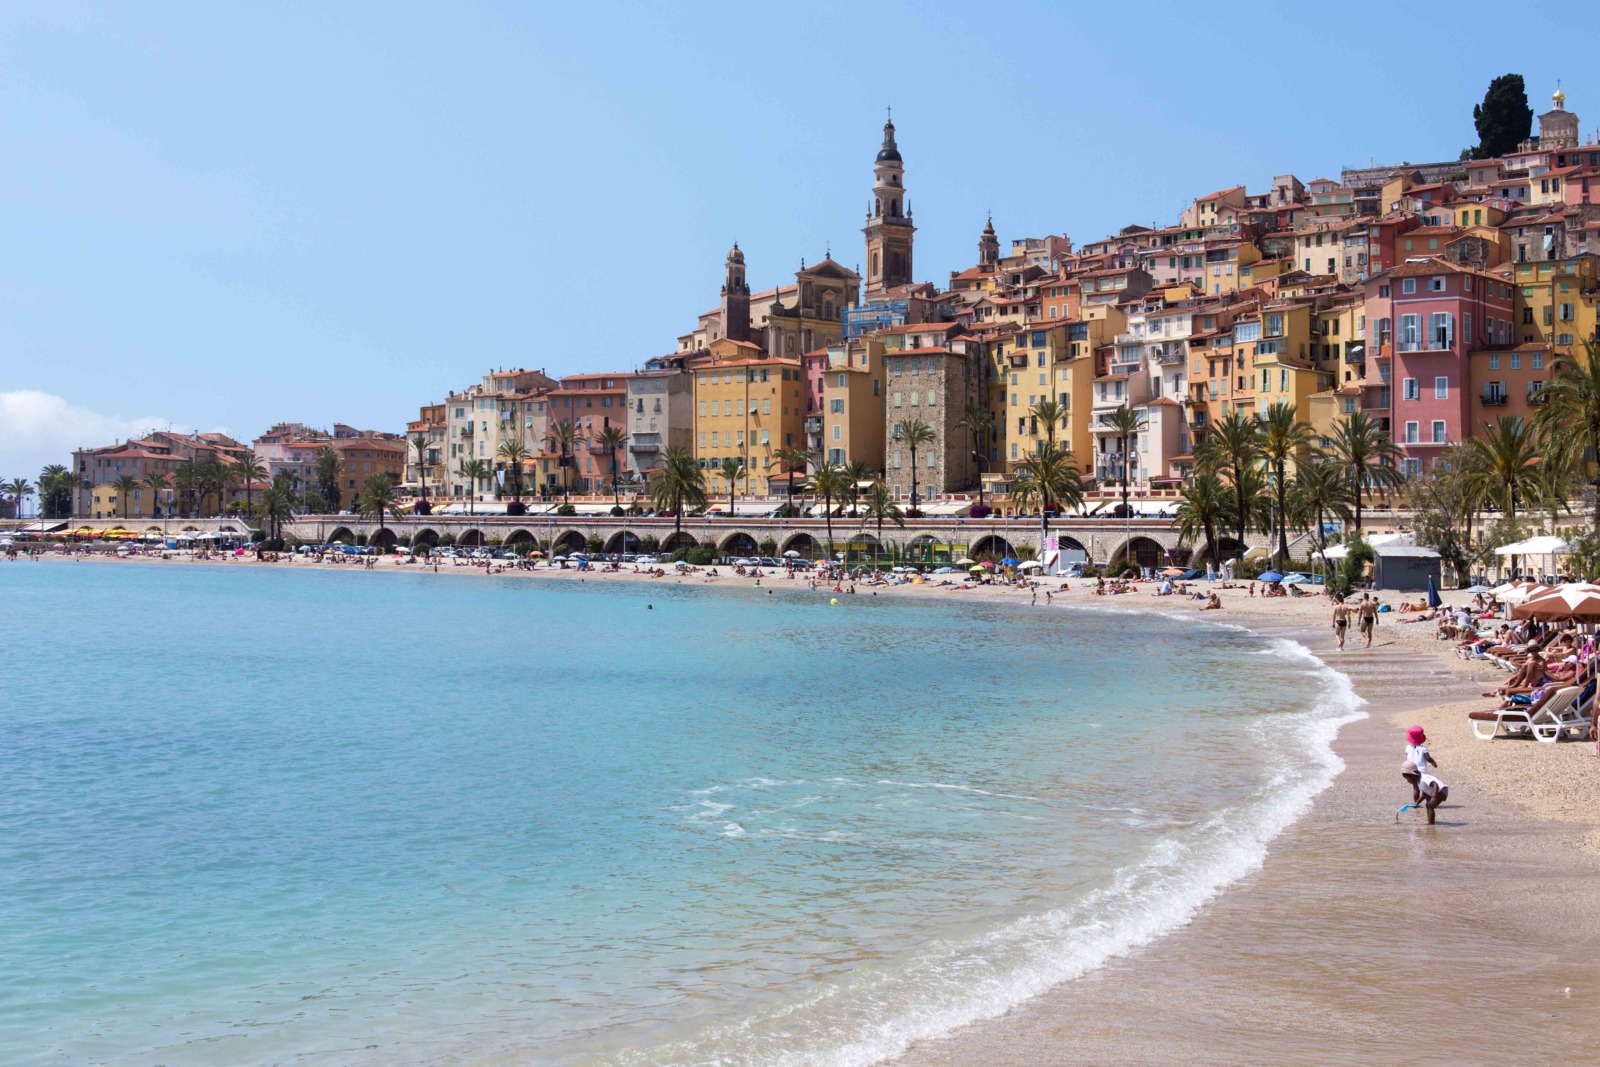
x: 1284, y: 437
x: 914, y: 433
x: 560, y: 439
x: 1504, y: 119
x: 275, y: 508
x: 248, y: 470
x: 1443, y: 502
x: 856, y: 472
x: 156, y: 482
x: 978, y: 421
x: 829, y: 481
x: 476, y: 472
x: 378, y: 498
x: 419, y: 445
x: 1233, y: 448
x: 1204, y: 504
x: 1509, y: 458
x: 611, y: 439
x: 512, y: 452
x: 732, y: 470
x: 57, y: 485
x: 681, y: 484
x: 881, y: 506
x: 1366, y: 457
x: 327, y: 467
x: 1127, y: 423
x: 18, y: 490
x: 125, y: 486
x: 1050, y: 415
x: 1571, y: 408
x: 794, y: 461
x: 1319, y: 492
x: 1048, y: 476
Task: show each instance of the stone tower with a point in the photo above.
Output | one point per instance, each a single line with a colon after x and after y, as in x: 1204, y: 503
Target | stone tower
x: 889, y: 230
x: 988, y: 247
x: 1558, y: 127
x: 735, y: 298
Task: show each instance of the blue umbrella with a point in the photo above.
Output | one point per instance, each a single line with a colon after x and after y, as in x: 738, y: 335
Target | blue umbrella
x: 1271, y: 576
x: 1433, y: 593
x: 1008, y: 562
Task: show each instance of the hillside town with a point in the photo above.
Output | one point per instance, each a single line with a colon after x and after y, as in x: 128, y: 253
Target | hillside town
x: 1433, y: 299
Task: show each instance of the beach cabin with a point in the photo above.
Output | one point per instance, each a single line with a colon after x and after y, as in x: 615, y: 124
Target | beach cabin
x: 1404, y: 567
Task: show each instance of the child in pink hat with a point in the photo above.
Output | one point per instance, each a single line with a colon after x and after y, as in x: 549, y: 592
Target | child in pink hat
x: 1418, y: 755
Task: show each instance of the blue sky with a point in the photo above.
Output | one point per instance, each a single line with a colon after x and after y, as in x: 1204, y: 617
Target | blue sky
x: 220, y: 216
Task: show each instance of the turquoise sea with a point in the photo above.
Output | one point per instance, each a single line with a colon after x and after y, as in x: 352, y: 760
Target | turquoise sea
x: 251, y: 815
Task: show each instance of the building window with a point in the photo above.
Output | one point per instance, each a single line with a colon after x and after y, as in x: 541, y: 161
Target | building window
x: 1411, y: 433
x: 1408, y: 285
x: 1516, y: 361
x: 1494, y: 361
x: 1409, y: 389
x: 1441, y: 388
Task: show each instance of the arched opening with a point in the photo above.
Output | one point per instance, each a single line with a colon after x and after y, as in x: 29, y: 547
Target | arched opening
x: 921, y: 549
x: 1139, y: 552
x: 521, y: 537
x: 674, y: 541
x: 569, y: 542
x: 383, y: 540
x: 1227, y: 548
x: 472, y: 538
x: 739, y: 544
x: 341, y: 534
x: 426, y: 538
x: 624, y: 541
x: 992, y: 546
x: 803, y: 543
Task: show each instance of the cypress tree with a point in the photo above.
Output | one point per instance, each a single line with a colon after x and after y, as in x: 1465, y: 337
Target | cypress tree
x: 1504, y: 119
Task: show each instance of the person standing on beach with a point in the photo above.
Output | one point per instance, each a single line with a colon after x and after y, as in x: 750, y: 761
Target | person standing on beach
x: 1418, y: 755
x: 1341, y: 620
x: 1367, y: 617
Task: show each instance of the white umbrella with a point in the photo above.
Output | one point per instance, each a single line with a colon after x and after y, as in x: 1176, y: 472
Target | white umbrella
x: 1580, y: 600
x: 791, y: 554
x: 1522, y: 593
x: 1030, y: 565
x: 680, y: 563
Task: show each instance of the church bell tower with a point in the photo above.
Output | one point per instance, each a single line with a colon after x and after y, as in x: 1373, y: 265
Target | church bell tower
x: 889, y: 230
x: 735, y: 298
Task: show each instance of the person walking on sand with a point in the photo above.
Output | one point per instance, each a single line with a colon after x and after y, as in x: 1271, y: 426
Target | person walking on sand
x: 1429, y: 791
x: 1367, y: 617
x: 1341, y: 620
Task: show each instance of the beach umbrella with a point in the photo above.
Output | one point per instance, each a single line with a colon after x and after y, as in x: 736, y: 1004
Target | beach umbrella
x: 1578, y: 601
x: 1476, y: 589
x: 987, y: 565
x: 1008, y: 562
x: 1173, y: 572
x: 1517, y: 593
x: 1032, y: 565
x: 680, y: 563
x: 791, y: 554
x: 1433, y: 593
x: 977, y: 568
x: 1271, y: 576
x: 965, y: 562
x: 945, y: 570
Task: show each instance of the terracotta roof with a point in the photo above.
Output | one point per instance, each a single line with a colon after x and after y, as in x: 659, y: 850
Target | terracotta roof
x: 1219, y: 192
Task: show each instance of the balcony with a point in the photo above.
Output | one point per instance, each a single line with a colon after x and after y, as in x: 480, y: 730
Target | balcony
x: 644, y: 442
x: 1537, y: 397
x: 1493, y: 400
x: 466, y: 431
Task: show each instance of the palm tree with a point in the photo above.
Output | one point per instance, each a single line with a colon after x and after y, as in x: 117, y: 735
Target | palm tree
x: 513, y: 451
x: 57, y: 486
x: 1233, y: 445
x: 880, y: 506
x: 561, y: 438
x: 275, y: 507
x: 1049, y: 475
x: 1203, y: 505
x: 1321, y: 490
x: 1572, y: 407
x: 732, y: 470
x: 1127, y: 423
x: 1049, y: 413
x: 1557, y: 476
x: 1366, y: 456
x: 19, y: 490
x: 156, y: 482
x: 185, y: 482
x: 794, y: 461
x: 219, y: 479
x: 1284, y: 437
x: 378, y: 497
x: 1509, y: 457
x: 978, y: 421
x: 856, y: 471
x: 328, y: 468
x: 681, y: 484
x: 612, y: 438
x: 828, y: 481
x: 125, y: 487
x: 419, y: 444
x: 475, y: 471
x: 248, y: 470
x: 913, y: 433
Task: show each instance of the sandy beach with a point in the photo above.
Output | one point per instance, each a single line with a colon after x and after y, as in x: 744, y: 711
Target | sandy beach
x: 1360, y: 939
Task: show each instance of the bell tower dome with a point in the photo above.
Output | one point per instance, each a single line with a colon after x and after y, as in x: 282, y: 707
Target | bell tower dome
x: 889, y: 230
x: 988, y: 247
x: 735, y: 298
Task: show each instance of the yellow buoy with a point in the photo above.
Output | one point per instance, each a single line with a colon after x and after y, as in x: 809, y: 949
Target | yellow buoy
x: 835, y: 600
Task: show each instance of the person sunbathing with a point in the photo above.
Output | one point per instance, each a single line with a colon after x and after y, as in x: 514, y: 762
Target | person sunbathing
x: 1532, y: 700
x: 1525, y: 679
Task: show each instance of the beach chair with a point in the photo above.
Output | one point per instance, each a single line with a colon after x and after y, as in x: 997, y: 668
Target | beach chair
x: 1554, y: 721
x: 1518, y: 720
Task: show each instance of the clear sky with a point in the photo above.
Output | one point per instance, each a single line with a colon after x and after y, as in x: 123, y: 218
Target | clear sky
x: 219, y: 216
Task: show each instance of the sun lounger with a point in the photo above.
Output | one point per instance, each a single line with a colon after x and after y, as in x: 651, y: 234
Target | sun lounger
x: 1518, y: 720
x: 1552, y: 722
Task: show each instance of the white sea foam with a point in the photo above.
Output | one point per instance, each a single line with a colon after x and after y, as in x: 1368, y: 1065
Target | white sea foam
x: 875, y: 1014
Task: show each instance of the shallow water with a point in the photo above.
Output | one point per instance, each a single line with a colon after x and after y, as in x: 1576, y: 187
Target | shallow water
x: 258, y: 816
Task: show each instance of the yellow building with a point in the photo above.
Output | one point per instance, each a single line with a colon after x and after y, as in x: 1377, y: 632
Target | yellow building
x: 746, y: 406
x: 853, y: 404
x: 1555, y: 302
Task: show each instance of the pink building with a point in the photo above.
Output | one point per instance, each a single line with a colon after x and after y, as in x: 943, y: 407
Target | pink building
x: 815, y: 366
x: 1435, y: 312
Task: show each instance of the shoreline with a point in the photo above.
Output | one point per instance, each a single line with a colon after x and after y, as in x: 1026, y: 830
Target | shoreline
x: 1341, y: 890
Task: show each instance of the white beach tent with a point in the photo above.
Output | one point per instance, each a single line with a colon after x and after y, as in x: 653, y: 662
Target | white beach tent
x: 1376, y: 540
x: 1535, y: 546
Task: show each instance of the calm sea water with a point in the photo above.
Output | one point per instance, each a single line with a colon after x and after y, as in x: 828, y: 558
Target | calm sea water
x: 251, y: 816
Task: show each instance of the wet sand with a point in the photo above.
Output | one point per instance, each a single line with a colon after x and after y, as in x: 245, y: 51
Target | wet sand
x: 1361, y: 939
